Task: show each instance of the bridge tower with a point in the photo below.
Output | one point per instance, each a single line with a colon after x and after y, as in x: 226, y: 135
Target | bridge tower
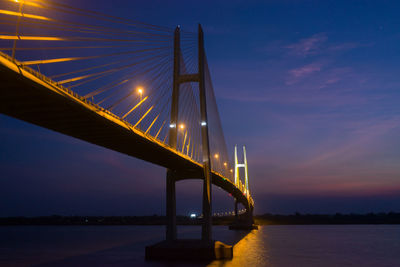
x: 205, y: 248
x: 179, y: 79
x: 246, y: 174
x: 248, y: 222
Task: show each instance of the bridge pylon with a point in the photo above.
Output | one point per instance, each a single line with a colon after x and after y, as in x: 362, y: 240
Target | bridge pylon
x: 246, y: 221
x: 179, y: 79
x: 172, y: 141
x: 204, y: 248
x: 246, y: 173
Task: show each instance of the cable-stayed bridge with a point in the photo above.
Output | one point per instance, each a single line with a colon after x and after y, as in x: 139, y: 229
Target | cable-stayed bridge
x: 136, y: 88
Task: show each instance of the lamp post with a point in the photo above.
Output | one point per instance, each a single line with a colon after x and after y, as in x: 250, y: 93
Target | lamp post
x: 181, y: 128
x: 140, y: 91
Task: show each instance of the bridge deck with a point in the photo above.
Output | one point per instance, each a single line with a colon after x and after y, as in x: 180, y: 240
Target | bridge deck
x: 27, y: 96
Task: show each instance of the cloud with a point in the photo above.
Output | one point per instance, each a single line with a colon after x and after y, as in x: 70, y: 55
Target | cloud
x: 364, y: 137
x: 299, y: 73
x: 308, y: 46
x: 317, y: 44
x: 321, y: 84
x: 343, y: 46
x: 339, y: 47
x: 305, y: 70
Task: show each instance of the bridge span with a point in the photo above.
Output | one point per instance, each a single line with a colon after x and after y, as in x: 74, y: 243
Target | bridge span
x: 29, y: 96
x: 83, y: 87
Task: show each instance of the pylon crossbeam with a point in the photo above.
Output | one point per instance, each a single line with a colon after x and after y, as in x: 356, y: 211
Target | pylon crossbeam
x: 187, y: 78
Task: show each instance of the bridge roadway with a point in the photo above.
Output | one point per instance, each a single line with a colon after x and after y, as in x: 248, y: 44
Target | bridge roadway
x: 29, y: 96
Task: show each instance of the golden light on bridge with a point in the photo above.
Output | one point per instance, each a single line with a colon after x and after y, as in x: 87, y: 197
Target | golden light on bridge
x: 216, y: 156
x: 225, y: 164
x: 140, y: 91
x: 182, y: 126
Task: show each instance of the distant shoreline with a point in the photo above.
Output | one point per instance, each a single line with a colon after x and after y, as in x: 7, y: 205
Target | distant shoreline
x: 266, y: 219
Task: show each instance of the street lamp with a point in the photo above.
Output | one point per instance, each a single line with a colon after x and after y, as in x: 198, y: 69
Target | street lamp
x: 182, y: 134
x: 140, y: 91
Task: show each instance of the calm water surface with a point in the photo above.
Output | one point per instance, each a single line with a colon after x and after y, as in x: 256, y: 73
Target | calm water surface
x: 345, y: 245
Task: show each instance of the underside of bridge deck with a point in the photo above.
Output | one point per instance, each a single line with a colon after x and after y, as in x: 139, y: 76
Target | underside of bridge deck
x: 42, y: 105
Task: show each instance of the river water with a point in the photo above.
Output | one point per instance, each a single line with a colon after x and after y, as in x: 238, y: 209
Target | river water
x: 308, y: 245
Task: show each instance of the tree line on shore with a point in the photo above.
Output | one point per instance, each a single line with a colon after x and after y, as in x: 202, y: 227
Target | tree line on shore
x: 338, y: 218
x: 265, y: 219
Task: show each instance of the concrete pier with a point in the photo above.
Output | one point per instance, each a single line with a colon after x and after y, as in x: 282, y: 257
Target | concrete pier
x: 189, y: 250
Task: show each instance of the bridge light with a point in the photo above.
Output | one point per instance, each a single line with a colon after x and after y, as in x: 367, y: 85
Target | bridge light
x: 231, y: 170
x: 193, y: 215
x: 140, y: 91
x: 203, y: 123
x: 172, y: 125
x: 225, y: 164
x: 182, y: 126
x: 216, y: 156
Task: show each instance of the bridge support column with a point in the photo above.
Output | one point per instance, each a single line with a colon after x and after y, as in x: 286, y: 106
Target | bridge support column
x: 249, y: 216
x: 172, y: 140
x: 244, y: 222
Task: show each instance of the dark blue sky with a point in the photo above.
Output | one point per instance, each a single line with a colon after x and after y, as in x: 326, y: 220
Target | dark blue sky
x: 310, y: 87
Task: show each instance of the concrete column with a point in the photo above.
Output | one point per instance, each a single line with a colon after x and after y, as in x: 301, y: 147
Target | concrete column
x: 206, y: 233
x: 172, y: 141
x: 249, y: 215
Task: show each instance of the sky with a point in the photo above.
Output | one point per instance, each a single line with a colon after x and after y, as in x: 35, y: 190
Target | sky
x: 310, y: 87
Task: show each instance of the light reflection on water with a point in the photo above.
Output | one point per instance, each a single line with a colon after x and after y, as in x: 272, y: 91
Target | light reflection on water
x: 312, y: 245
x: 252, y: 250
x: 318, y: 245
